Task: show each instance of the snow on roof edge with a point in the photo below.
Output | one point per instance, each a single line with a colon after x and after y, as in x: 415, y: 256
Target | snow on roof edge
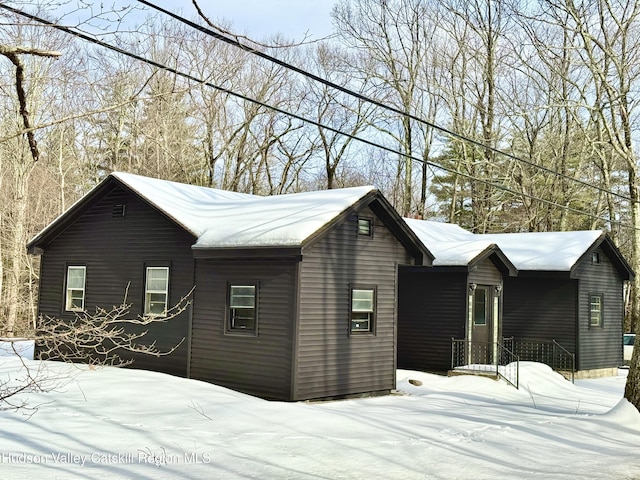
x: 247, y: 220
x: 551, y: 251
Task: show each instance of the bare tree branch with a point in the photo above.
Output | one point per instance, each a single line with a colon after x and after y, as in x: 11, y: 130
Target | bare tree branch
x: 13, y: 54
x: 30, y: 378
x: 237, y: 37
x: 62, y: 120
x: 101, y: 337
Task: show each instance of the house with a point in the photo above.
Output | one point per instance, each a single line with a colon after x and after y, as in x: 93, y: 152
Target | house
x: 460, y: 297
x: 564, y: 294
x: 295, y: 295
x: 569, y: 289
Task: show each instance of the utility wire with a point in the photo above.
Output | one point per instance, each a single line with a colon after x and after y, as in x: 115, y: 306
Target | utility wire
x: 373, y: 101
x: 227, y: 91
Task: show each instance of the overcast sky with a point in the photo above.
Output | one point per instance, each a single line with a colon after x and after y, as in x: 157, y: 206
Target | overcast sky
x: 262, y: 18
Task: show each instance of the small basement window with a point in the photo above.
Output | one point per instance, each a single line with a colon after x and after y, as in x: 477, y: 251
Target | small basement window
x: 365, y: 227
x: 595, y: 310
x: 363, y: 303
x: 156, y: 293
x: 75, y: 291
x: 242, y: 308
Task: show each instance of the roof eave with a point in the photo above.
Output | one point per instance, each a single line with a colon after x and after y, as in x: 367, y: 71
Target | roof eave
x: 497, y: 256
x: 249, y: 253
x: 403, y: 232
x: 155, y: 206
x: 614, y: 254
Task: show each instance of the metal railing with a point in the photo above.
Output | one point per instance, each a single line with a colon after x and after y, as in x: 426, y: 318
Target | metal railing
x: 485, y: 358
x: 549, y: 352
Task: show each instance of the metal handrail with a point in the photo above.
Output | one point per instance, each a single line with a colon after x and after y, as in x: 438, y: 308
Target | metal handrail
x: 572, y: 356
x: 549, y: 352
x: 485, y: 358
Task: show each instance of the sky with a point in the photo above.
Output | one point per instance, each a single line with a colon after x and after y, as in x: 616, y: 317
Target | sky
x: 260, y: 19
x: 111, y: 423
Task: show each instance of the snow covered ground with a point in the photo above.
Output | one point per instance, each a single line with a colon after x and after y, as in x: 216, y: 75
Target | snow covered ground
x: 112, y: 423
x: 23, y: 348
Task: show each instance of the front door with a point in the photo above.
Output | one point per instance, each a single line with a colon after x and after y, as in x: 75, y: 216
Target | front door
x: 482, y: 341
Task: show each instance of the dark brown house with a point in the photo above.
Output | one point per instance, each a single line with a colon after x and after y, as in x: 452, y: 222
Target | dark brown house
x: 569, y: 288
x: 295, y: 295
x: 460, y: 297
x: 562, y: 287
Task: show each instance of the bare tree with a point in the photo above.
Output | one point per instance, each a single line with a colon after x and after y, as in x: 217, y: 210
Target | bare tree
x: 19, y: 159
x: 608, y: 41
x: 392, y: 34
x: 329, y: 107
x: 476, y: 30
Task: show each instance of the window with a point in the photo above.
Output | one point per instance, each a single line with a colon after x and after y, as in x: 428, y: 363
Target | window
x: 365, y: 227
x: 595, y: 258
x: 480, y: 305
x: 595, y: 310
x: 363, y: 302
x: 156, y: 292
x: 76, y: 277
x: 242, y: 308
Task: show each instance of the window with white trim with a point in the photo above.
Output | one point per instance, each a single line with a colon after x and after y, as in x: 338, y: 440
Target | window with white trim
x: 75, y: 289
x: 595, y: 310
x: 242, y: 308
x: 156, y: 291
x: 363, y: 309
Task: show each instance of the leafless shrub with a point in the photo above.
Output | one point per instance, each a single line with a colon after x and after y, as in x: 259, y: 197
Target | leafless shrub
x: 100, y: 338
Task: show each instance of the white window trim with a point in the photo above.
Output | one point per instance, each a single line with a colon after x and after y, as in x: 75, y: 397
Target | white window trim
x: 68, y: 297
x: 148, y: 292
x: 370, y: 311
x: 231, y: 329
x: 600, y: 322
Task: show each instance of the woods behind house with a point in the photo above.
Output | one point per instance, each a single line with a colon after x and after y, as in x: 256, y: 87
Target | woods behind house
x: 550, y: 84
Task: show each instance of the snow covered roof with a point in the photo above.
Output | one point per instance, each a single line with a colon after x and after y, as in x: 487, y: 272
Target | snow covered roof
x: 430, y: 231
x: 557, y: 251
x: 220, y: 219
x: 544, y: 251
x: 450, y: 244
x: 458, y: 253
x: 228, y: 219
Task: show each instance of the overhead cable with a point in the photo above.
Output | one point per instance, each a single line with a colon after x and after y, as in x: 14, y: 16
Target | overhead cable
x: 365, y: 141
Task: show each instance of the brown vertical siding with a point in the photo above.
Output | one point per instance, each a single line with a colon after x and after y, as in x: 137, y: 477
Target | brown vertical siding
x: 432, y: 311
x: 258, y: 365
x: 330, y: 361
x: 600, y: 347
x: 115, y: 251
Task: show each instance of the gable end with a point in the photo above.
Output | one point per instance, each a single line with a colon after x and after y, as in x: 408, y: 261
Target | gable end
x: 606, y: 245
x: 392, y: 220
x: 38, y: 244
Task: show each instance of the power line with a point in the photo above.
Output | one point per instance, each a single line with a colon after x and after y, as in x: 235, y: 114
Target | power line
x: 227, y: 91
x: 375, y: 102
